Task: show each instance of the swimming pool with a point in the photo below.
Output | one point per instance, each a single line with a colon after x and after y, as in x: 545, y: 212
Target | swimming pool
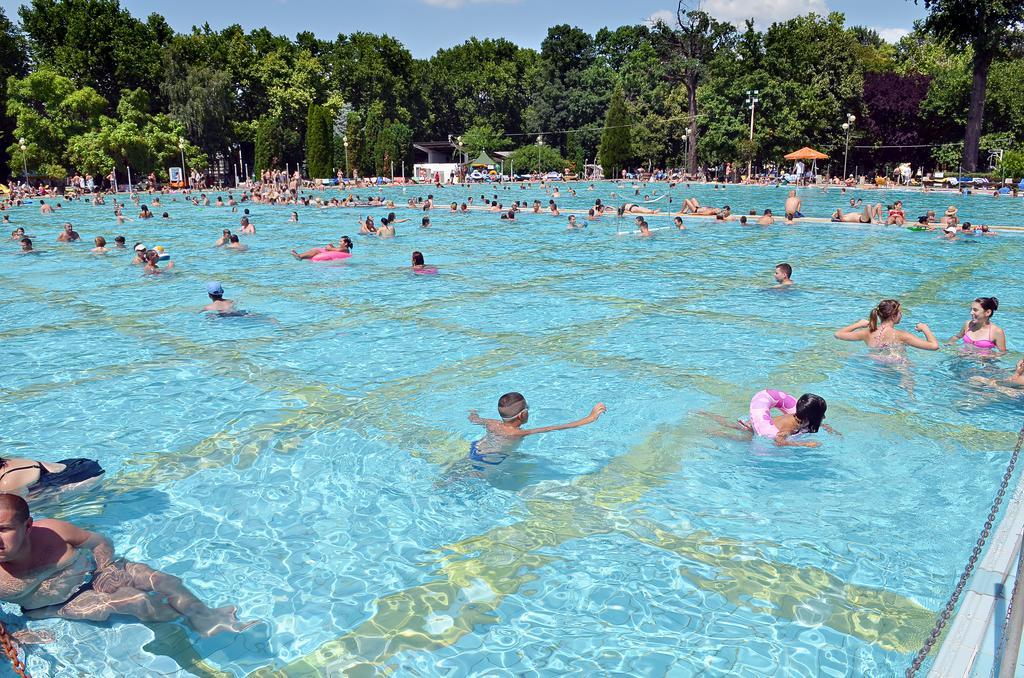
x: 306, y: 462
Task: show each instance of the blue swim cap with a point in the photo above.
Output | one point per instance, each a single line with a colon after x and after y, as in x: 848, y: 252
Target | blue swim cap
x: 214, y: 288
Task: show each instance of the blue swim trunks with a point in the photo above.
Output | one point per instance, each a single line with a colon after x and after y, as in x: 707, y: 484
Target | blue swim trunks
x: 491, y: 458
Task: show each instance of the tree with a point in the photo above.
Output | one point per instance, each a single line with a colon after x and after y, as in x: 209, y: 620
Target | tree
x: 1012, y: 165
x: 318, y: 143
x: 97, y: 44
x: 268, y: 153
x: 144, y: 141
x: 537, y: 157
x: 480, y: 138
x: 12, y: 63
x: 991, y: 29
x: 616, y: 145
x: 686, y: 50
x: 48, y: 111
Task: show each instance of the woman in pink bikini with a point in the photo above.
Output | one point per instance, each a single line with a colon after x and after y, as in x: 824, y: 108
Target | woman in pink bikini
x: 980, y: 333
x: 879, y: 330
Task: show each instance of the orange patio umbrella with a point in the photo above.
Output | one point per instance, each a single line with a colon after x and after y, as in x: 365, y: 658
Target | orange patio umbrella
x: 806, y: 153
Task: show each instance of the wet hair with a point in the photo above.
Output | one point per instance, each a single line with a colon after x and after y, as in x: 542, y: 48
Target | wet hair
x: 988, y: 303
x: 384, y: 221
x: 785, y: 268
x: 810, y: 410
x: 509, y: 405
x: 417, y: 258
x: 19, y: 506
x: 391, y: 217
x: 426, y: 220
x: 348, y: 241
x: 233, y: 238
x: 100, y: 241
x: 743, y: 219
x: 26, y: 241
x: 887, y: 309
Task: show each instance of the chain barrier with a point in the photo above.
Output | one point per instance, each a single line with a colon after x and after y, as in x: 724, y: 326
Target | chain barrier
x: 12, y: 652
x: 947, y: 611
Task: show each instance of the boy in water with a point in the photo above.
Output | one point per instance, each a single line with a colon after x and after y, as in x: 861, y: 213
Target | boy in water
x: 218, y: 303
x: 504, y: 435
x: 782, y: 274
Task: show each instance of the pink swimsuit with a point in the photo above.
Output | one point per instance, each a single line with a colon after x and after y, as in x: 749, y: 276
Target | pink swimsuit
x: 980, y: 343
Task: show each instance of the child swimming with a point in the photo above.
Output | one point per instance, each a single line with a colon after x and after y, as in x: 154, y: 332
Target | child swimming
x: 504, y: 435
x: 799, y: 415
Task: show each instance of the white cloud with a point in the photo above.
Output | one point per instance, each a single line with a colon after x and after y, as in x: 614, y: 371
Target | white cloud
x: 456, y: 4
x: 892, y: 35
x: 666, y: 16
x: 763, y: 12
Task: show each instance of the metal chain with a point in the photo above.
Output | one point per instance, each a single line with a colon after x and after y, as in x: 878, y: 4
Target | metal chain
x: 12, y: 652
x: 947, y: 611
x: 1006, y: 624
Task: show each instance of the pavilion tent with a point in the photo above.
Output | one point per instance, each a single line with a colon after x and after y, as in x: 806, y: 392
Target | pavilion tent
x: 807, y: 153
x: 483, y: 160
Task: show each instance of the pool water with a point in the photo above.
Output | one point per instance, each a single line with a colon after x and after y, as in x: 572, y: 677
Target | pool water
x: 308, y: 461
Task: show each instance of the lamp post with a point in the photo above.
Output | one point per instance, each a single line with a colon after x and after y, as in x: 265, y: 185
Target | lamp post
x: 850, y: 119
x: 752, y: 102
x: 540, y: 142
x: 24, y: 157
x: 181, y: 149
x: 344, y: 142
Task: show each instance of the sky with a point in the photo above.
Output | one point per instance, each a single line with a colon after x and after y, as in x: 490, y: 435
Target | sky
x: 424, y: 26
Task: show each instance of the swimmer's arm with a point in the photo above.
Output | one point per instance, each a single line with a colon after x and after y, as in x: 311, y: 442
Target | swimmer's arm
x: 831, y: 430
x: 959, y: 335
x: 1000, y: 338
x: 101, y: 547
x: 855, y: 332
x: 929, y: 343
x: 782, y: 440
x: 475, y: 418
x: 594, y: 415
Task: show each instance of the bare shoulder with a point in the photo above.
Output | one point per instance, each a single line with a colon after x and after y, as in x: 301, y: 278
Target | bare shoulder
x: 67, y: 531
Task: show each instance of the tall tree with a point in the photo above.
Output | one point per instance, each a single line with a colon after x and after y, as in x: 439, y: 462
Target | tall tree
x: 318, y: 143
x: 12, y: 63
x: 616, y: 145
x: 688, y: 48
x: 98, y: 44
x: 268, y: 154
x: 991, y: 28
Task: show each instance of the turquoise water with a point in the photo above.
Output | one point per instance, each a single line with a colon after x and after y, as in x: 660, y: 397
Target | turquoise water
x: 307, y: 462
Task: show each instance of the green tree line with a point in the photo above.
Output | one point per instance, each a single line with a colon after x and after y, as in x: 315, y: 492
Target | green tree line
x: 90, y: 88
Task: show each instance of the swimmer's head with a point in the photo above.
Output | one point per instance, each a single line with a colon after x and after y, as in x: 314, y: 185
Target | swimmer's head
x: 783, y: 272
x: 984, y: 307
x: 215, y: 290
x: 417, y: 258
x: 15, y: 522
x: 513, y: 407
x: 888, y: 310
x: 100, y: 241
x: 810, y: 410
x: 743, y: 219
x: 26, y: 244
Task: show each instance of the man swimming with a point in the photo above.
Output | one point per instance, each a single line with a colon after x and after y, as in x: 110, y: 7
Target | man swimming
x: 783, y: 273
x: 504, y: 435
x: 54, y: 569
x: 69, y: 234
x: 218, y: 304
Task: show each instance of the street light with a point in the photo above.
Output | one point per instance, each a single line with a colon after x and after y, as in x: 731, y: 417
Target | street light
x: 181, y: 149
x: 540, y: 142
x: 344, y: 141
x: 850, y: 119
x: 752, y: 102
x: 24, y: 160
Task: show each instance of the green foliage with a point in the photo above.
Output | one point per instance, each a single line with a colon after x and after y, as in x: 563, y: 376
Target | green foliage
x: 268, y: 153
x: 535, y: 157
x: 199, y: 97
x: 135, y: 137
x: 1012, y: 164
x: 98, y: 43
x: 616, y: 142
x: 483, y: 138
x: 318, y: 143
x: 48, y: 111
